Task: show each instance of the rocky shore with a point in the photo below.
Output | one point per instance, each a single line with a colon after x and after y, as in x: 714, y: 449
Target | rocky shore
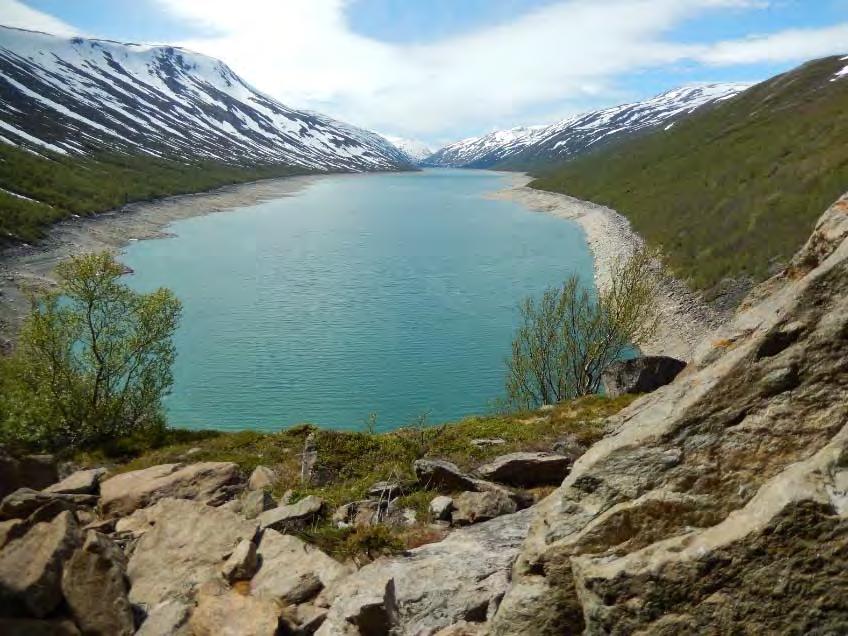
x: 686, y: 318
x: 29, y: 266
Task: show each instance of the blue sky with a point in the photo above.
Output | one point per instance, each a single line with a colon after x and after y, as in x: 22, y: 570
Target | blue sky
x: 439, y: 70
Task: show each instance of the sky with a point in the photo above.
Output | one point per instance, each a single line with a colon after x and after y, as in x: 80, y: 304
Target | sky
x: 442, y: 70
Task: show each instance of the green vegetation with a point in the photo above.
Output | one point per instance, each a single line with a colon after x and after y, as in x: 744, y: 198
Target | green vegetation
x: 61, y: 186
x: 350, y: 462
x: 567, y: 338
x: 92, y: 363
x: 733, y: 191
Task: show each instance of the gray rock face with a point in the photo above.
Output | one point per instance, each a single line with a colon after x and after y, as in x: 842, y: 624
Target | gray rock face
x: 292, y: 516
x: 640, y: 375
x: 526, y: 469
x: 31, y: 567
x: 95, y: 588
x: 82, y: 482
x: 442, y: 475
x: 358, y: 513
x: 207, y: 482
x: 262, y: 477
x: 292, y: 570
x: 474, y: 507
x: 720, y: 503
x: 168, y: 618
x: 186, y: 543
x: 434, y: 586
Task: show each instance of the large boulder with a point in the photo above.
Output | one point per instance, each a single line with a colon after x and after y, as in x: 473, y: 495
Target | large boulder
x: 242, y: 563
x: 526, y: 469
x: 81, y: 482
x: 31, y: 567
x: 207, y: 482
x: 439, y: 474
x: 719, y: 503
x: 460, y: 578
x: 640, y: 375
x: 186, y: 543
x: 292, y: 516
x: 95, y: 588
x: 30, y: 471
x: 293, y: 571
x: 255, y: 502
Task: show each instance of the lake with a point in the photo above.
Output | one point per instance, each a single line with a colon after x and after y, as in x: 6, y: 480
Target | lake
x: 394, y: 294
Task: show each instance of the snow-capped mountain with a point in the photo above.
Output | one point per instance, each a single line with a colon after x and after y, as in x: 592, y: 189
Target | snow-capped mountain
x: 79, y: 96
x: 525, y: 146
x: 417, y: 151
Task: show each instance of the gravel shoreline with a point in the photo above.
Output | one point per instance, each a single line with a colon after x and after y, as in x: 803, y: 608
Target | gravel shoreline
x: 685, y: 318
x: 31, y: 267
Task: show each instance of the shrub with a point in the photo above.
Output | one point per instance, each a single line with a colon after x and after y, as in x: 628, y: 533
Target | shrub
x: 93, y: 361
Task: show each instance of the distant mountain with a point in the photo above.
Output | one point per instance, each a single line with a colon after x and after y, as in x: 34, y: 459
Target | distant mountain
x: 78, y: 96
x: 417, y: 151
x: 732, y: 191
x: 526, y: 147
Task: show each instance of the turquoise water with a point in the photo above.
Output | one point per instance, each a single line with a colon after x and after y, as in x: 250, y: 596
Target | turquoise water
x: 393, y: 294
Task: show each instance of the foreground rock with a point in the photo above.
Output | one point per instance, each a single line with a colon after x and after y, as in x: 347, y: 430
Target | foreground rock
x: 82, y: 482
x: 442, y: 475
x: 95, y: 588
x: 262, y: 477
x: 718, y: 504
x: 207, y: 482
x: 223, y: 611
x: 293, y: 571
x: 437, y: 585
x: 31, y: 567
x: 186, y: 544
x: 526, y: 469
x: 640, y: 375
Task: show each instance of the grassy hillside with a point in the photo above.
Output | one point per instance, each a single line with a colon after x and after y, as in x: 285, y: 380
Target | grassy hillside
x: 733, y: 191
x: 60, y: 186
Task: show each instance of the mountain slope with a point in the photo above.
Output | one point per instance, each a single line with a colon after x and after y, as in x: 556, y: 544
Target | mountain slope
x: 525, y: 147
x: 148, y: 120
x: 730, y: 192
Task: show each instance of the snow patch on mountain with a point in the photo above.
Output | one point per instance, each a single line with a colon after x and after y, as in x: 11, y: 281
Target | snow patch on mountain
x: 575, y: 134
x: 416, y: 150
x: 79, y: 96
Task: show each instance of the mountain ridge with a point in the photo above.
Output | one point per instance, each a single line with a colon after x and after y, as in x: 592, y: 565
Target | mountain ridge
x: 76, y: 95
x: 525, y: 147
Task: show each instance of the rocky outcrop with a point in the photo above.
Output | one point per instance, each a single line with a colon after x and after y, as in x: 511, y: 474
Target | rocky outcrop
x: 526, y: 469
x: 718, y: 503
x: 434, y: 586
x: 640, y: 375
x: 442, y: 475
x: 206, y: 482
x: 224, y: 611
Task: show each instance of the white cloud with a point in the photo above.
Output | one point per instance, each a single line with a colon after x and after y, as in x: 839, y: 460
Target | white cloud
x: 793, y: 44
x: 17, y: 14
